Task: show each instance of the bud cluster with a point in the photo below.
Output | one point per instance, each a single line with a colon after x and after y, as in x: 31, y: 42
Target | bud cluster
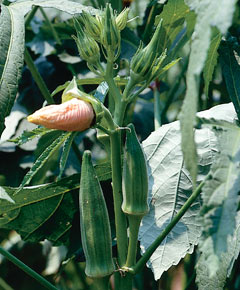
x: 103, y: 29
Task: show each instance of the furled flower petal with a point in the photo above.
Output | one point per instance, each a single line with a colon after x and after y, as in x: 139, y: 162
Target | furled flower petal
x: 73, y: 115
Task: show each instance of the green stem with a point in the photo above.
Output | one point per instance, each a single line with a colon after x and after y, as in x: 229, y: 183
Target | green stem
x: 150, y: 250
x: 53, y: 30
x: 113, y: 89
x: 120, y: 219
x: 27, y: 269
x: 120, y: 112
x: 134, y: 223
x: 37, y: 77
x: 123, y: 281
x: 101, y: 283
x: 30, y: 15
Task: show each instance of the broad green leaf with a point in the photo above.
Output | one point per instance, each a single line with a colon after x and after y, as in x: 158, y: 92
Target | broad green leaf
x: 174, y: 14
x: 11, y: 58
x: 170, y: 186
x: 220, y: 196
x: 4, y: 195
x: 29, y: 135
x: 33, y: 194
x: 42, y: 159
x: 65, y: 152
x: 212, y: 57
x: 209, y: 13
x: 40, y: 212
x: 226, y: 259
x: 229, y: 59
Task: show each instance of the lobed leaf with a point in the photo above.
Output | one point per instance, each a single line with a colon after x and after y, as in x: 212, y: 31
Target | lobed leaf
x: 170, y: 185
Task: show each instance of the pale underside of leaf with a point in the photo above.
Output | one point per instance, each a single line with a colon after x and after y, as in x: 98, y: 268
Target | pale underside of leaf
x: 227, y: 259
x: 220, y: 197
x: 62, y: 5
x: 171, y: 185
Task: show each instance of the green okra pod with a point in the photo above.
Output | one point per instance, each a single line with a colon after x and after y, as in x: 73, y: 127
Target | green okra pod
x: 135, y: 178
x: 94, y: 222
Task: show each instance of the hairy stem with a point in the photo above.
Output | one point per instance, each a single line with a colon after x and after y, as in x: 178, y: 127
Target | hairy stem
x: 27, y: 269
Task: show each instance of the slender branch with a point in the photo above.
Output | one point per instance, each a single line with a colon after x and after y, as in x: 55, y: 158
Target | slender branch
x: 53, y: 30
x: 120, y: 219
x: 27, y: 269
x: 134, y: 223
x: 37, y: 77
x: 150, y: 250
x: 30, y: 15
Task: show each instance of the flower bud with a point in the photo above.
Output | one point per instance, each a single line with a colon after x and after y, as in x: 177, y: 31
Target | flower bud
x: 110, y: 35
x: 73, y: 115
x: 122, y: 18
x: 144, y: 59
x: 87, y: 47
x: 72, y: 91
x: 93, y: 25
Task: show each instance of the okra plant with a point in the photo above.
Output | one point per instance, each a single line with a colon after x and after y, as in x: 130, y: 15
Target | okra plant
x: 174, y: 194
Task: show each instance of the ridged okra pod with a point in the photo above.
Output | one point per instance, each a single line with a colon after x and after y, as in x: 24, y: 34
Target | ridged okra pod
x: 135, y: 178
x: 94, y: 222
x: 135, y: 190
